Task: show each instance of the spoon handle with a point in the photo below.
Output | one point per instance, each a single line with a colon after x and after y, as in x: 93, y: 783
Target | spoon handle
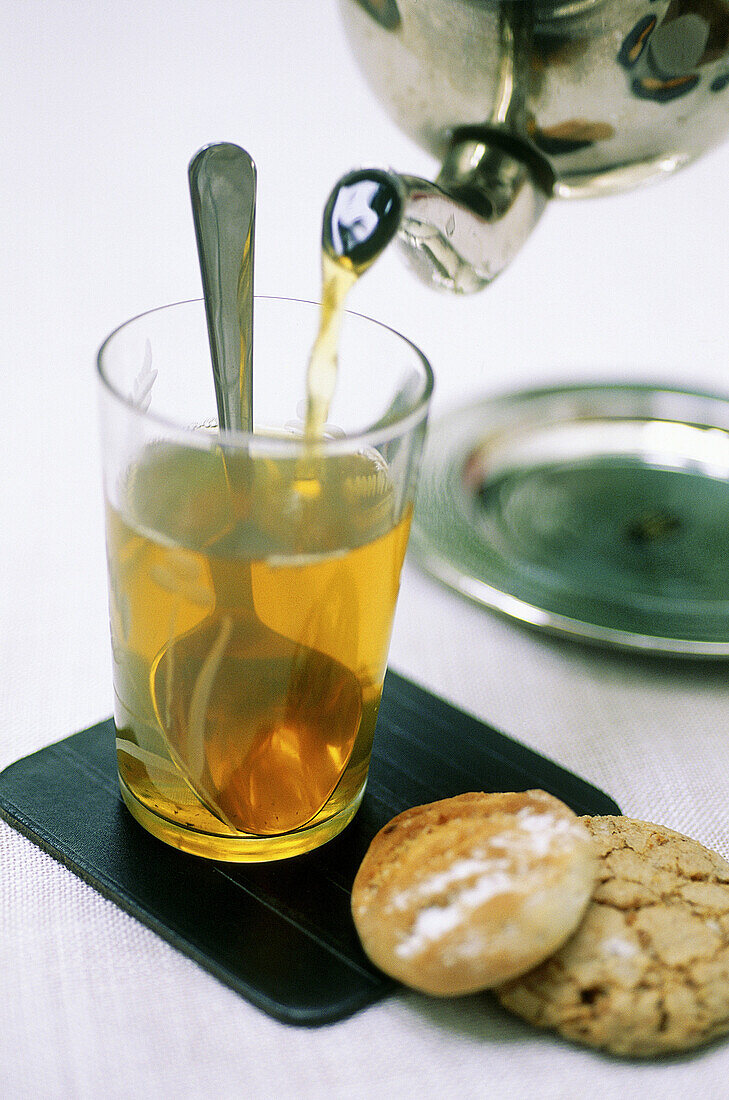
x: 222, y: 181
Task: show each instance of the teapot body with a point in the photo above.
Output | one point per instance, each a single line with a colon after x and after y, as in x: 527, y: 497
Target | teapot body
x: 609, y: 93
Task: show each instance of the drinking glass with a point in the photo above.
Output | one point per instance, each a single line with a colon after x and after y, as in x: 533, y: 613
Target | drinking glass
x: 253, y: 576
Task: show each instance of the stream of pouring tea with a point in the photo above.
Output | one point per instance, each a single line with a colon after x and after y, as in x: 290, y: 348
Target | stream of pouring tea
x: 360, y: 219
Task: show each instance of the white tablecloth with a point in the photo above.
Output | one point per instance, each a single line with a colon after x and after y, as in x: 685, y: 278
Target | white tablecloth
x: 103, y: 106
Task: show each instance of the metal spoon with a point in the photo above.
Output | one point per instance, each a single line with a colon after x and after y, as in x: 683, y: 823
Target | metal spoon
x: 223, y: 192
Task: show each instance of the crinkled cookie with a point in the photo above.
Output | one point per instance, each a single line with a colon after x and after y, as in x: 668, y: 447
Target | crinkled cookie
x: 647, y: 971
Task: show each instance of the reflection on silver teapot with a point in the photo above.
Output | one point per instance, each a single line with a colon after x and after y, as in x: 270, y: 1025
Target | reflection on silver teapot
x: 523, y: 100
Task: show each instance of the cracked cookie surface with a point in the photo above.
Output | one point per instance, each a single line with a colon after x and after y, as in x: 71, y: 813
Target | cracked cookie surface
x: 647, y: 971
x: 463, y: 893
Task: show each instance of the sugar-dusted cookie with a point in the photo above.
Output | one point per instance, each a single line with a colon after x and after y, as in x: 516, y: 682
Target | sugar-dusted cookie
x: 647, y: 971
x: 462, y: 894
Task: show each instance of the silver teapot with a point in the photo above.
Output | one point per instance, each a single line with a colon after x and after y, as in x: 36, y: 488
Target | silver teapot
x: 591, y: 511
x: 524, y: 100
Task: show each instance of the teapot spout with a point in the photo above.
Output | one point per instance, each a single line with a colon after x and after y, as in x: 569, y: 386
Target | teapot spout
x: 461, y: 231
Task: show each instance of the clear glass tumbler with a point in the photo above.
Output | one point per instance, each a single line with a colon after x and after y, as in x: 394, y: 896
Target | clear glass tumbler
x: 253, y: 576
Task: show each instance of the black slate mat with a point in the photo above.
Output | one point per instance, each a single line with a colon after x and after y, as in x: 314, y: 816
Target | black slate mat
x: 281, y: 933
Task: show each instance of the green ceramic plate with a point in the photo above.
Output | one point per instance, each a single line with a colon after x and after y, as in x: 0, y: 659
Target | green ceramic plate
x: 597, y: 512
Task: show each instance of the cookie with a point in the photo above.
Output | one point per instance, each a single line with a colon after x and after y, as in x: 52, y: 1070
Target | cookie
x: 647, y: 971
x: 459, y: 895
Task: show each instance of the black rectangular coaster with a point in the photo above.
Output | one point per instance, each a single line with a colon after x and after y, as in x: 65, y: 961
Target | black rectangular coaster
x: 280, y: 933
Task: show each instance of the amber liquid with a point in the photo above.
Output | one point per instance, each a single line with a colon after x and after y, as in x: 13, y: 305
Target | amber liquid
x: 251, y: 610
x: 338, y: 278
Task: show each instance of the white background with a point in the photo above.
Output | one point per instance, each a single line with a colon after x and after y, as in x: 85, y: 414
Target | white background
x: 103, y: 105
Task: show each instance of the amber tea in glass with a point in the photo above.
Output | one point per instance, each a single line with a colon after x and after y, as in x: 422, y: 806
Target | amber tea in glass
x: 253, y: 577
